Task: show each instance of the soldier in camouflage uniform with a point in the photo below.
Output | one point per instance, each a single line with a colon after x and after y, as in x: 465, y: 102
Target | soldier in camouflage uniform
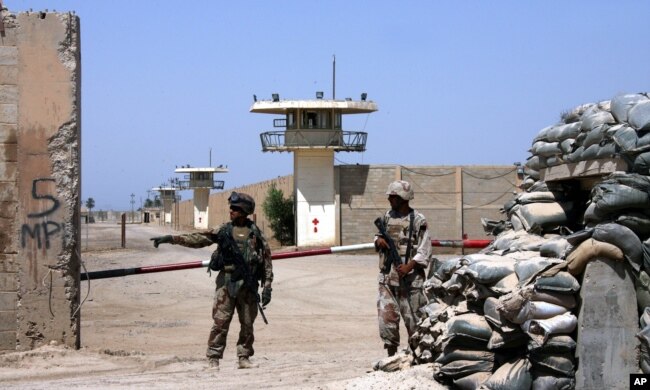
x: 232, y: 294
x: 400, y: 289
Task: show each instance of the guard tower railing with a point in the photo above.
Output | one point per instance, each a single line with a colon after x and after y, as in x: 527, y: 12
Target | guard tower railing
x: 339, y: 140
x: 191, y: 184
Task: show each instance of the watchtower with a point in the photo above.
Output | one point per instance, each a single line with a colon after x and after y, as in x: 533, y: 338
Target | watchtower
x: 201, y: 181
x: 167, y: 197
x: 313, y: 131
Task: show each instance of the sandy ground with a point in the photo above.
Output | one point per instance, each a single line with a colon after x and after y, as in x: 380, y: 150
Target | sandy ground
x: 150, y: 330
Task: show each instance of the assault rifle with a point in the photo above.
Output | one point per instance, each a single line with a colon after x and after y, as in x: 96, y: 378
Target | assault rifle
x: 392, y: 255
x: 230, y: 250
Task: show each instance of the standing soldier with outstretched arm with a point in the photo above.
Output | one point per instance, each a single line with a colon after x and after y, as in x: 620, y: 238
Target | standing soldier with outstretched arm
x: 400, y: 282
x: 243, y: 258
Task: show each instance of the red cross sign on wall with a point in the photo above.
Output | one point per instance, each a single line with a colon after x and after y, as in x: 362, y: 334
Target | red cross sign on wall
x: 315, y: 222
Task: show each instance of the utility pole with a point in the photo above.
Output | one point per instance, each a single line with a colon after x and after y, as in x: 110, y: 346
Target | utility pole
x: 132, y: 203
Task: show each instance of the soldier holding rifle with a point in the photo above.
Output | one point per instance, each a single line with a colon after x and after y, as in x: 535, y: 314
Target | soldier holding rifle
x: 243, y: 258
x: 404, y: 248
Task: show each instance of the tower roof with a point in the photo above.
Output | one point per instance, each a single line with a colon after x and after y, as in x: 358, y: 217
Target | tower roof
x: 282, y: 106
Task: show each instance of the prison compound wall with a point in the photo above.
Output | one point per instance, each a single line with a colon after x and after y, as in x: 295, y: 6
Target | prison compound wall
x: 39, y: 179
x: 452, y: 198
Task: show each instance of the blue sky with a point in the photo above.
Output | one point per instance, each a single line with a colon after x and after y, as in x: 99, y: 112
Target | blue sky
x: 456, y: 82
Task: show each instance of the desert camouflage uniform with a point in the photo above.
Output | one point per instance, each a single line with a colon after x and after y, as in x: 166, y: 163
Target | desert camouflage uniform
x: 257, y: 254
x: 394, y: 300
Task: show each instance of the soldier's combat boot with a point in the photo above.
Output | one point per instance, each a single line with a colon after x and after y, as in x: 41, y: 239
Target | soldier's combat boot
x: 392, y: 350
x: 245, y: 363
x: 213, y: 363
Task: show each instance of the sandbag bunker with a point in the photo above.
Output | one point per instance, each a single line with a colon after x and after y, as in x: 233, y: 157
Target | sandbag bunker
x: 506, y: 317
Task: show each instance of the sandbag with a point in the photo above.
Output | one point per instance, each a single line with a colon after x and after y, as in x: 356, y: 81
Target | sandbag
x: 588, y: 250
x: 533, y: 163
x: 537, y: 310
x: 564, y: 132
x: 626, y: 138
x: 537, y: 196
x: 576, y: 155
x: 513, y: 375
x: 486, y: 272
x: 540, y: 330
x: 555, y: 343
x: 633, y: 180
x: 558, y: 363
x: 471, y: 382
x: 528, y: 269
x: 621, y: 105
x: 538, y: 217
x: 470, y: 325
x: 556, y: 247
x: 461, y: 368
x: 606, y: 150
x: 560, y: 282
x: 610, y: 197
x: 590, y: 152
x: 547, y: 149
x: 452, y: 354
x: 567, y: 146
x: 639, y: 116
x: 446, y: 267
x: 542, y: 135
x: 641, y: 164
x: 594, y: 117
x: 495, y: 317
x: 506, y: 285
x: 517, y: 240
x: 594, y: 136
x: 552, y: 382
x: 639, y: 223
x: 556, y: 298
x: 501, y: 339
x: 622, y: 237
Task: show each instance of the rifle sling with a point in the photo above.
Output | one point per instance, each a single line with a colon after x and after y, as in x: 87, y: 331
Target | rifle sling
x: 409, y: 246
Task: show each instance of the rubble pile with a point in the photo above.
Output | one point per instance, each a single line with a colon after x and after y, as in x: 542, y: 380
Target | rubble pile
x: 506, y: 317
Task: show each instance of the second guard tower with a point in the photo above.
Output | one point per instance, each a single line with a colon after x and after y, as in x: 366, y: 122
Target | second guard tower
x: 167, y: 197
x: 201, y: 180
x: 313, y: 131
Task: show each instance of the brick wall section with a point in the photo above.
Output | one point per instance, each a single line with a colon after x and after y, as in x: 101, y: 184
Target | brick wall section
x: 439, y: 193
x: 8, y: 190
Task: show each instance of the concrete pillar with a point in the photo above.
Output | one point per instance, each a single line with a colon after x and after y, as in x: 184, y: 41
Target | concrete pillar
x: 607, y: 348
x: 40, y: 112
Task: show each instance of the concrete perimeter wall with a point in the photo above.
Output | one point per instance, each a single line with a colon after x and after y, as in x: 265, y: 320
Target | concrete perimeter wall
x: 40, y: 164
x: 453, y: 198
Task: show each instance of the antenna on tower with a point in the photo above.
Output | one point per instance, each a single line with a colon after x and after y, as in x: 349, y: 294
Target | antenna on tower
x: 333, y: 76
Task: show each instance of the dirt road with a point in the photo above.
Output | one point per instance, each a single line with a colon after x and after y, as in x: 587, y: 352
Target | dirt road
x: 150, y: 330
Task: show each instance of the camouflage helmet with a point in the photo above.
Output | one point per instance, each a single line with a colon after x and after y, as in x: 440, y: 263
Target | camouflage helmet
x: 400, y: 188
x: 244, y: 201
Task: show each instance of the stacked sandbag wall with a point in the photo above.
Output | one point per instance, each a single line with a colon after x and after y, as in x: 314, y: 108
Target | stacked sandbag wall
x: 506, y: 318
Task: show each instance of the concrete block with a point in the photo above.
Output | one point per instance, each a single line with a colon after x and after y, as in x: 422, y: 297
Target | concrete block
x: 8, y: 210
x: 8, y: 55
x: 8, y: 301
x: 8, y: 74
x: 607, y: 348
x: 8, y: 321
x: 8, y: 340
x: 7, y: 170
x: 8, y: 133
x: 8, y: 282
x: 7, y: 192
x: 8, y: 113
x: 8, y: 263
x: 9, y: 94
x: 8, y: 152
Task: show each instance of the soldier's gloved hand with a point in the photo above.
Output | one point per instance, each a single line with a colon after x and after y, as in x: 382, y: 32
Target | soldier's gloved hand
x: 161, y: 240
x: 266, y: 295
